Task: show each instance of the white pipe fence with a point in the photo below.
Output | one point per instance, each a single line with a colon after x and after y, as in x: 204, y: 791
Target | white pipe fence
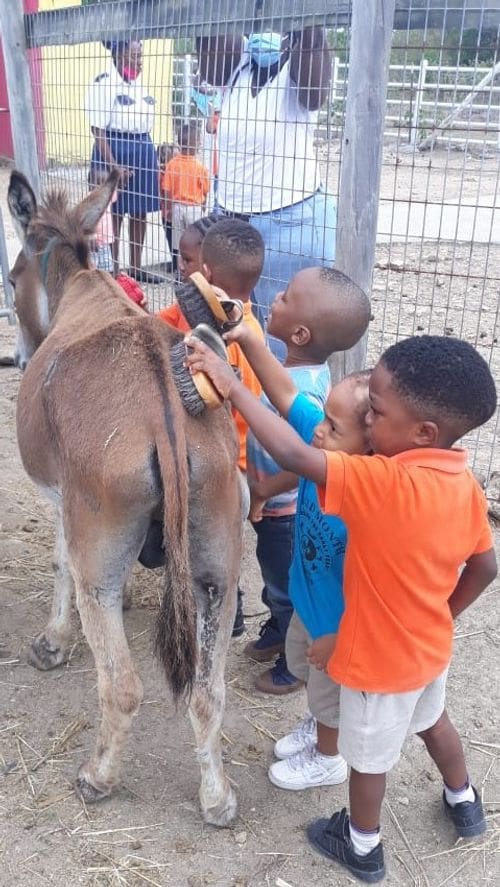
x: 425, y: 98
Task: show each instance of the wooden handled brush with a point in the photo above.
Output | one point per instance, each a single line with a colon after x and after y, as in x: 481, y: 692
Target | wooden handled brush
x: 207, y: 315
x: 200, y: 303
x: 196, y: 390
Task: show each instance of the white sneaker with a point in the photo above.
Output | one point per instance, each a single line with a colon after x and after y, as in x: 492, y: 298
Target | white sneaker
x: 308, y: 769
x: 304, y: 736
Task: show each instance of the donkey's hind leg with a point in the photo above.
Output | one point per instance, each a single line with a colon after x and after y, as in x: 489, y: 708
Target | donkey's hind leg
x: 50, y: 647
x: 206, y: 708
x: 101, y: 561
x: 215, y: 563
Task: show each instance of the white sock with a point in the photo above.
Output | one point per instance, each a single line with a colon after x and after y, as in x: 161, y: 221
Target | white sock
x: 330, y: 761
x: 362, y: 841
x: 456, y: 796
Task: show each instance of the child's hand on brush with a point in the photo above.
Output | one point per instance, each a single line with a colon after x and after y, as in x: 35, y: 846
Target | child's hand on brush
x: 201, y: 358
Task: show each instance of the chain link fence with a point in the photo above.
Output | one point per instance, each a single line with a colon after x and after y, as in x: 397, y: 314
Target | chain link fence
x: 437, y: 253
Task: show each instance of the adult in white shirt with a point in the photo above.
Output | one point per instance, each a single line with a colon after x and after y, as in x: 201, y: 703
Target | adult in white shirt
x: 121, y: 115
x: 273, y: 87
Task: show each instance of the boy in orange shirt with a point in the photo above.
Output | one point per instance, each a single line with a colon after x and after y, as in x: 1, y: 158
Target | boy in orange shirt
x: 415, y: 515
x: 232, y: 257
x: 184, y: 185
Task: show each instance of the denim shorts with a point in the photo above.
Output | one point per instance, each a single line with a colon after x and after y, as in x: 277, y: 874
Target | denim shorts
x: 297, y: 236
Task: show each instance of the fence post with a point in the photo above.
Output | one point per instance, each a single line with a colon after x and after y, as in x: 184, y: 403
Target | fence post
x: 187, y: 78
x: 418, y: 100
x: 19, y: 90
x: 8, y: 311
x: 369, y: 54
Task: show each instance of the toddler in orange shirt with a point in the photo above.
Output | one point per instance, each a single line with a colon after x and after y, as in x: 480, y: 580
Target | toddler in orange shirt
x: 184, y: 184
x: 419, y: 552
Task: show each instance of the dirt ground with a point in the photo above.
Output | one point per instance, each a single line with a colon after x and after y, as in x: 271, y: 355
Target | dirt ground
x: 150, y: 831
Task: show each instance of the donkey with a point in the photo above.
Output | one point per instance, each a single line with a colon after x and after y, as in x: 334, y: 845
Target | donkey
x: 103, y: 433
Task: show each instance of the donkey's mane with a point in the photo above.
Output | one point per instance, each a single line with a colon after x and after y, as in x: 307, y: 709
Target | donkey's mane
x: 56, y: 219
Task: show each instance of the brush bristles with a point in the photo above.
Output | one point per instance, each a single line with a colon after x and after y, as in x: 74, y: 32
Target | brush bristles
x: 193, y: 306
x: 192, y: 402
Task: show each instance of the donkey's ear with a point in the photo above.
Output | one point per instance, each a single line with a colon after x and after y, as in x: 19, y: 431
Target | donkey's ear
x: 90, y: 210
x: 22, y: 201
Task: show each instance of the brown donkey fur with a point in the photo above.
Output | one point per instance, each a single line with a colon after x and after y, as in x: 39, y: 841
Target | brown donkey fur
x: 103, y: 433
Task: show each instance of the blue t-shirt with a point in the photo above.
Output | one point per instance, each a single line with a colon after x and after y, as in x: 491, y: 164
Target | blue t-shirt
x: 316, y: 572
x: 312, y: 381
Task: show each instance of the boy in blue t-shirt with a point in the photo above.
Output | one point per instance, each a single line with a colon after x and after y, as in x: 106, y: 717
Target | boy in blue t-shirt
x: 312, y: 320
x: 309, y: 755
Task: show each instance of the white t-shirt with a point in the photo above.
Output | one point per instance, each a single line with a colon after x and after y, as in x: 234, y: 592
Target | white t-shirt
x: 266, y: 153
x: 112, y: 103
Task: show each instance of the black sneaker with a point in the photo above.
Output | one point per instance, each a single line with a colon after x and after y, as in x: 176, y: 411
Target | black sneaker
x: 467, y: 817
x: 269, y: 643
x: 331, y: 837
x: 239, y: 619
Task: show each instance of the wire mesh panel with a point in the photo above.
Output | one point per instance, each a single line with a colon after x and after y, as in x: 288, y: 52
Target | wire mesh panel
x: 438, y: 241
x: 239, y: 109
x: 262, y: 155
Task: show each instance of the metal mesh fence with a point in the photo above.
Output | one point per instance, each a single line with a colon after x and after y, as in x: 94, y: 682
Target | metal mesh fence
x: 270, y: 151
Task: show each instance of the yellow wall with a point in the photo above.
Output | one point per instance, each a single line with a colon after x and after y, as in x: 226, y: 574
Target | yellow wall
x: 67, y: 74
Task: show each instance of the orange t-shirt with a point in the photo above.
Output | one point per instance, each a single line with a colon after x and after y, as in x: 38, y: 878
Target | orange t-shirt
x: 174, y: 316
x: 185, y: 180
x: 412, y: 521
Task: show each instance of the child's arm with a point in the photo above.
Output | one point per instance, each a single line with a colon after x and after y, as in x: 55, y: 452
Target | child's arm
x: 165, y: 206
x: 271, y: 486
x: 273, y: 377
x: 165, y: 189
x: 275, y: 435
x: 479, y: 571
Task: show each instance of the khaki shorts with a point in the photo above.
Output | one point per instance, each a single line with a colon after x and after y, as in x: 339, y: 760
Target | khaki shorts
x: 183, y: 215
x: 323, y: 695
x: 373, y: 726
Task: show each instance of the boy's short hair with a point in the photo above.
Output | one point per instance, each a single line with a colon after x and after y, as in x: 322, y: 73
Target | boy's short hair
x: 204, y: 225
x: 341, y: 313
x: 234, y: 252
x: 444, y: 378
x: 188, y: 134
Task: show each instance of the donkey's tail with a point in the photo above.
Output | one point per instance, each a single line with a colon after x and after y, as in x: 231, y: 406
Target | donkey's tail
x: 176, y: 645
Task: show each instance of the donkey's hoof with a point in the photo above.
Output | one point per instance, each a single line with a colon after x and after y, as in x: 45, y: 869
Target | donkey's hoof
x: 224, y: 812
x: 43, y: 656
x: 88, y: 792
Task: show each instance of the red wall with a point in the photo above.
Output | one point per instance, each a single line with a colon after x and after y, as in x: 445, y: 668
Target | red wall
x: 35, y: 61
x: 6, y: 149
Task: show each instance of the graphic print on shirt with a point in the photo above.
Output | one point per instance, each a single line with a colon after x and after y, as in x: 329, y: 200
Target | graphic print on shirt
x: 320, y: 546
